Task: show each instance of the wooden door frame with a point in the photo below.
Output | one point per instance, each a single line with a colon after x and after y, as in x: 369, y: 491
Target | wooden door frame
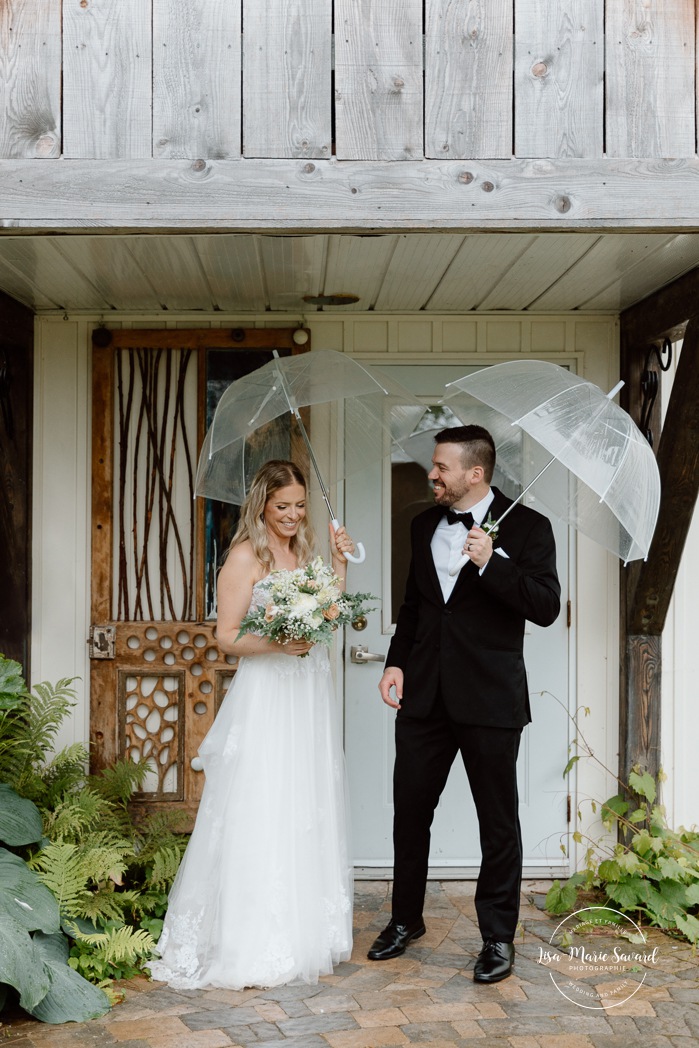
x: 105, y: 728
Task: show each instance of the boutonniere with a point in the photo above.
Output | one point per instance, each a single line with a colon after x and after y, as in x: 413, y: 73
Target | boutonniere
x: 491, y: 527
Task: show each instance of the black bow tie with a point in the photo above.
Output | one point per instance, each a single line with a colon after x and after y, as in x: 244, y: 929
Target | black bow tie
x: 459, y: 518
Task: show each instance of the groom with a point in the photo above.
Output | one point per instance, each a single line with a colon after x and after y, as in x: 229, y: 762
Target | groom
x: 457, y: 669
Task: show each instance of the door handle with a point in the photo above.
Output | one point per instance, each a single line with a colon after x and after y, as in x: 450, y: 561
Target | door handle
x: 359, y: 654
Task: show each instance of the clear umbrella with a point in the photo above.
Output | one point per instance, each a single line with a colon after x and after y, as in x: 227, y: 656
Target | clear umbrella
x: 246, y: 430
x: 606, y: 480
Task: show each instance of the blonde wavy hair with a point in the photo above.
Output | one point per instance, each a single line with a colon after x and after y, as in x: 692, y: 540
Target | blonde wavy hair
x: 275, y: 474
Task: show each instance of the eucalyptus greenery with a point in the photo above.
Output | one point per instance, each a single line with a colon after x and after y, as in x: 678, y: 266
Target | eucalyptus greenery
x: 644, y: 867
x: 83, y: 888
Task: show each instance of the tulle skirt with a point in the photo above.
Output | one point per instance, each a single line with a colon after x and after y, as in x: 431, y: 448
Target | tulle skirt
x: 264, y: 892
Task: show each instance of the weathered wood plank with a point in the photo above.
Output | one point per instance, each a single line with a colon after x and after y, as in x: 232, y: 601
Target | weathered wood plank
x: 322, y: 195
x: 660, y: 313
x: 196, y: 79
x: 378, y: 79
x: 468, y: 78
x: 678, y: 462
x: 640, y: 706
x: 287, y: 78
x: 650, y: 73
x: 30, y: 79
x: 107, y: 72
x: 559, y: 77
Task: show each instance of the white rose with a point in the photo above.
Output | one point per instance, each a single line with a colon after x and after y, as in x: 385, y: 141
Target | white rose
x: 303, y: 604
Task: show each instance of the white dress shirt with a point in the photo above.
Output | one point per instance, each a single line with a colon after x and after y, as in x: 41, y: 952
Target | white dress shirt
x: 448, y: 543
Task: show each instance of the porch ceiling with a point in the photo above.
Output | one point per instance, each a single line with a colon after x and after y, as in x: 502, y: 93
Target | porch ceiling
x: 434, y: 272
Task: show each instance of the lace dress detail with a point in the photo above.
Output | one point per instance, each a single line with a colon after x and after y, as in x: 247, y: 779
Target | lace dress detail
x: 264, y: 893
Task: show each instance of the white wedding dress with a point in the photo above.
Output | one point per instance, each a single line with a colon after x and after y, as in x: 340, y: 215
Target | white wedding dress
x: 264, y: 892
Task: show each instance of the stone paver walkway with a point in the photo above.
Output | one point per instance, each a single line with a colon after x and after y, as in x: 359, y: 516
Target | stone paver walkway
x: 426, y: 998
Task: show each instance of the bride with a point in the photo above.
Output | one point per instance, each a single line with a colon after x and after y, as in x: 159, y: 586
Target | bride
x: 264, y: 892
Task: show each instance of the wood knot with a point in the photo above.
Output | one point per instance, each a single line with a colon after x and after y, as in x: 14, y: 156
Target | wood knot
x: 198, y: 165
x: 466, y: 177
x: 487, y: 187
x: 398, y: 83
x: 83, y: 3
x: 563, y: 204
x: 309, y: 168
x: 540, y: 69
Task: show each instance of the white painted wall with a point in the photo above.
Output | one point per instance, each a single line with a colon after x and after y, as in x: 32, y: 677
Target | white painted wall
x: 680, y: 710
x: 587, y: 343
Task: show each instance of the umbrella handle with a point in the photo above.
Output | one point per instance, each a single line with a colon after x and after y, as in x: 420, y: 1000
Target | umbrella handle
x: 357, y: 558
x: 460, y: 564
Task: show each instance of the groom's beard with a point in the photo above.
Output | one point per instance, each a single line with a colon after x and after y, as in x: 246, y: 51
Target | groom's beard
x: 444, y: 496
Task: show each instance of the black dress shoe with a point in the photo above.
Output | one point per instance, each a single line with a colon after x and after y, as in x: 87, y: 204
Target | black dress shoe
x: 494, y: 962
x: 394, y: 938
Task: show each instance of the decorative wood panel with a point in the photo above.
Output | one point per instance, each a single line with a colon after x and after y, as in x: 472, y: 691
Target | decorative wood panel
x: 287, y: 78
x: 107, y: 74
x: 650, y: 77
x: 559, y: 77
x: 468, y: 78
x: 30, y: 79
x: 196, y: 79
x: 378, y: 79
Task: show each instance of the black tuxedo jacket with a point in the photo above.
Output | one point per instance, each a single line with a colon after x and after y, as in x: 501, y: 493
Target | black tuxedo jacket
x: 472, y: 645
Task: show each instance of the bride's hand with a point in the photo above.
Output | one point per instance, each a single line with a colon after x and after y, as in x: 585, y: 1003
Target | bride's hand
x: 296, y: 647
x: 340, y: 543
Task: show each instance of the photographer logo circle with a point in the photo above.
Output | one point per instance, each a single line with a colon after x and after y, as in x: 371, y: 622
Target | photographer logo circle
x: 598, y: 957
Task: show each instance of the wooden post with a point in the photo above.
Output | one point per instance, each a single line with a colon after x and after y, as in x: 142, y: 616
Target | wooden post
x: 647, y: 587
x: 16, y: 385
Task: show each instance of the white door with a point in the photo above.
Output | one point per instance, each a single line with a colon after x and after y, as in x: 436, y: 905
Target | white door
x: 379, y: 506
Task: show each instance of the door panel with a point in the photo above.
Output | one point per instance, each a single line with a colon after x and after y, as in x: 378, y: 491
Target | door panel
x: 381, y: 504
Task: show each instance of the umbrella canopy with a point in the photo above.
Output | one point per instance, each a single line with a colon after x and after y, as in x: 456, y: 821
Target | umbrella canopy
x: 243, y: 435
x: 604, y: 478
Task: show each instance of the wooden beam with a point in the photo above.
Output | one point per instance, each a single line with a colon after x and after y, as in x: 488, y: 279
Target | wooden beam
x: 664, y: 313
x: 194, y: 338
x: 678, y: 461
x: 305, y: 196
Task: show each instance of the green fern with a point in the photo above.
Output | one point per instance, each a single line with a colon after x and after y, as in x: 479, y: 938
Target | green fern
x: 76, y: 814
x: 120, y: 781
x: 27, y: 733
x: 119, y: 945
x: 166, y: 862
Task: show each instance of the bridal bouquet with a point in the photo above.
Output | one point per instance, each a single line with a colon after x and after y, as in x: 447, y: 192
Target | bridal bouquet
x: 306, y: 604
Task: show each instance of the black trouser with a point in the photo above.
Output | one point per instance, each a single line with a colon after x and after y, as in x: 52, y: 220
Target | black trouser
x: 425, y: 752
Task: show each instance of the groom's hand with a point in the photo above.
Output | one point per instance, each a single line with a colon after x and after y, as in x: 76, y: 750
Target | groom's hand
x: 479, y: 546
x: 392, y: 678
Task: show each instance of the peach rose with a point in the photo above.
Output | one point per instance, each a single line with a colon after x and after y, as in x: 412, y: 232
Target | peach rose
x: 332, y: 612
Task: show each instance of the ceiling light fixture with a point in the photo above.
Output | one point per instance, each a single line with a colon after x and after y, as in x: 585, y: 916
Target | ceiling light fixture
x: 339, y: 299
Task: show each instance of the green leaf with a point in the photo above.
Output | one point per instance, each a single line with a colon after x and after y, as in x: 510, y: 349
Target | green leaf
x: 20, y: 963
x: 20, y: 819
x: 641, y: 842
x: 570, y: 764
x: 689, y: 926
x: 614, y: 808
x: 23, y: 896
x: 629, y: 862
x: 693, y: 894
x: 638, y: 816
x: 561, y: 898
x: 12, y: 686
x: 70, y: 998
x: 644, y: 785
x: 630, y: 893
x: 609, y: 870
